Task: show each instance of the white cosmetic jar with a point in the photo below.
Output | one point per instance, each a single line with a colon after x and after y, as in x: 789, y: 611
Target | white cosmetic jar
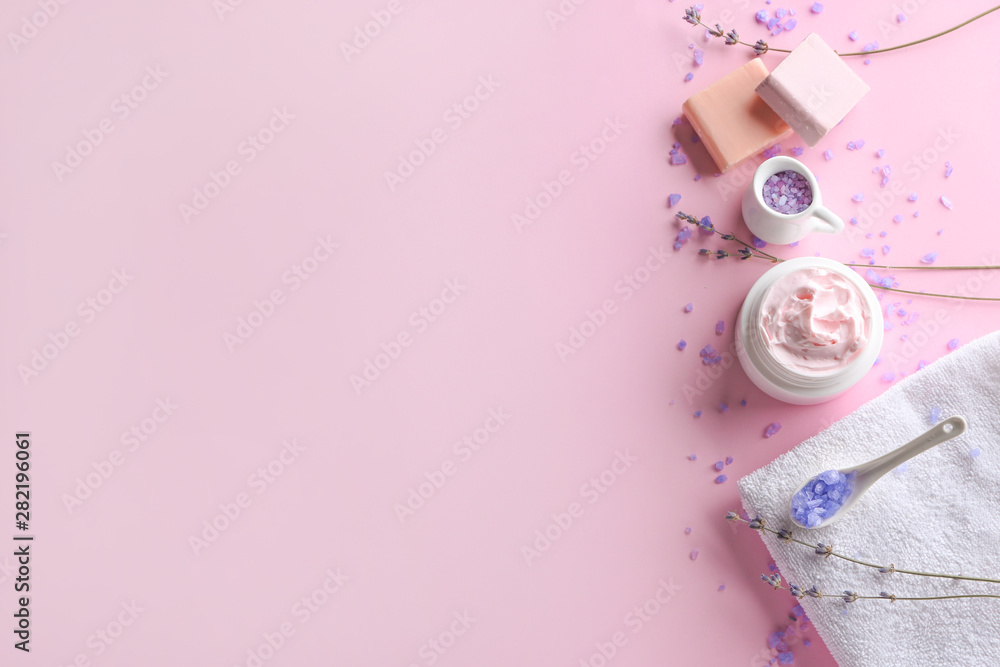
x: 792, y: 385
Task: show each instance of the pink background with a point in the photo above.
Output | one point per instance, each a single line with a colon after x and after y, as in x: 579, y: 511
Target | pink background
x: 494, y: 347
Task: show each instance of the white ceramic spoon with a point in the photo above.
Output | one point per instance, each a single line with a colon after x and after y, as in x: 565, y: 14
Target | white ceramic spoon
x: 869, y: 473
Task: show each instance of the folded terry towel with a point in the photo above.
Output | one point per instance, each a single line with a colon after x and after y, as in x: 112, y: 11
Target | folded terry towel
x: 939, y: 513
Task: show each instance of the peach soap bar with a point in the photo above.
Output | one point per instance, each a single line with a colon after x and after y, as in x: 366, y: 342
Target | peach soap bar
x: 812, y: 89
x: 731, y: 120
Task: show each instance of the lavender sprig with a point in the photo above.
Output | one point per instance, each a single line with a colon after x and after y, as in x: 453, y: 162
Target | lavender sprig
x: 826, y: 550
x: 757, y: 252
x: 693, y: 16
x: 850, y: 596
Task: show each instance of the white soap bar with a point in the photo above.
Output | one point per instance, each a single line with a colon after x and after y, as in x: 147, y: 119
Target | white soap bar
x: 812, y: 89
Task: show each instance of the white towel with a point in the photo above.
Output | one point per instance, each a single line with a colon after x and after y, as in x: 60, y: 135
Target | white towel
x: 940, y: 514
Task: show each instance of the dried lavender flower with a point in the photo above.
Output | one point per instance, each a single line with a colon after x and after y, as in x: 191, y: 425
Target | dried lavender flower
x: 760, y: 48
x: 692, y: 16
x: 732, y: 38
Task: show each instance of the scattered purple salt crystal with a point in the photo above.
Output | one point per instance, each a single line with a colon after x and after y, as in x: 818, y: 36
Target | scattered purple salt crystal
x: 721, y: 588
x: 723, y: 408
x: 757, y: 243
x: 729, y: 460
x: 673, y: 199
x: 859, y: 197
x: 886, y: 249
x: 761, y: 16
x: 772, y: 22
x: 940, y: 232
x: 953, y: 344
x: 773, y: 568
x: 781, y: 13
x: 816, y: 8
x: 868, y: 61
x: 699, y: 57
x: 692, y: 457
x: 743, y: 402
x: 853, y: 36
x: 883, y: 233
x: 688, y: 308
x: 719, y: 465
x: 867, y: 252
x: 946, y: 202
x: 854, y: 221
x: 888, y: 377
x: 687, y: 531
x: 897, y: 218
x: 913, y: 196
x: 697, y: 414
x: 790, y: 24
x: 687, y: 77
x: 900, y: 17
x: 720, y: 327
x: 694, y: 554
x: 798, y: 150
x: 947, y: 169
x: 681, y: 345
x: 870, y: 46
x: 697, y: 177
x: 806, y: 642
x: 772, y: 429
x: 709, y: 356
x: 786, y: 658
x: 828, y: 154
x: 720, y: 479
x: 929, y: 258
x: 974, y: 452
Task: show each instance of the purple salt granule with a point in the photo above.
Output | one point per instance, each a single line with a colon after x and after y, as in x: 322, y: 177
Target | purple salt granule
x: 828, y: 154
x: 897, y: 218
x: 757, y: 243
x: 798, y: 150
x: 673, y: 199
x: 900, y: 18
x: 694, y: 554
x: 719, y: 465
x: 888, y: 377
x: 723, y: 408
x: 867, y: 252
x: 679, y: 158
x: 699, y: 57
x: 953, y: 344
x: 761, y: 16
x: 853, y: 35
x: 720, y: 327
x: 816, y: 8
x: 790, y: 24
x: 886, y: 249
x: 781, y: 12
x: 786, y: 658
x: 681, y: 345
x: 697, y: 414
x: 929, y: 258
x: 859, y: 197
x: 687, y: 77
x: 729, y: 460
x: 687, y: 531
x: 821, y: 497
x: 946, y: 202
x: 913, y: 196
x: 947, y: 169
x: 692, y: 457
x: 688, y: 308
x: 787, y: 192
x: 721, y: 588
x: 720, y: 479
x: 772, y: 429
x: 974, y: 452
x: 883, y: 233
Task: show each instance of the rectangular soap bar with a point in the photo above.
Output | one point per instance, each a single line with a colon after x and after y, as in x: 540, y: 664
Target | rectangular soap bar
x: 731, y: 120
x: 812, y: 89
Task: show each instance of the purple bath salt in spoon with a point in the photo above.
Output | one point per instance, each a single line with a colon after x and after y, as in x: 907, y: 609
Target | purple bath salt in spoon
x: 826, y: 497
